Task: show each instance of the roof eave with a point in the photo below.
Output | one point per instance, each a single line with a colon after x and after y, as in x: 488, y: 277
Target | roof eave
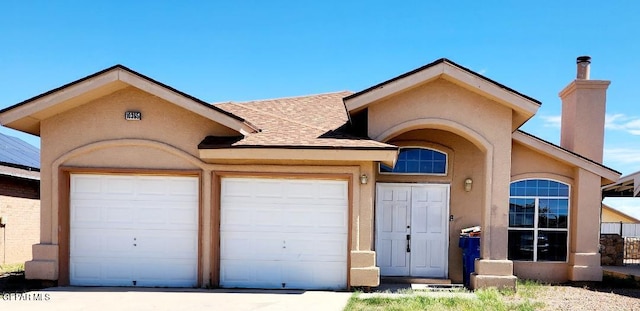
x: 608, y: 175
x: 524, y: 107
x: 387, y: 156
x: 27, y: 115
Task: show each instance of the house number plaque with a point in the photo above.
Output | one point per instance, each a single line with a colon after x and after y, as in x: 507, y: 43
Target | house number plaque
x: 133, y: 115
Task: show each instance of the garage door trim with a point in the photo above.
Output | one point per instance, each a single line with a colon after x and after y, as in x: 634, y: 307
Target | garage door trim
x: 215, y: 215
x: 64, y: 188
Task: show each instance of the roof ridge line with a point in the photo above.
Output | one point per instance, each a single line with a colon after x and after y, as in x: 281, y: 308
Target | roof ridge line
x: 289, y: 97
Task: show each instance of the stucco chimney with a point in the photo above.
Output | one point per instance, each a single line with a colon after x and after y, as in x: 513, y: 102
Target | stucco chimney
x: 583, y: 112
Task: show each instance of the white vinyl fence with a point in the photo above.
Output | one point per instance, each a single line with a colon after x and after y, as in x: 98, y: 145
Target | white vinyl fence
x: 625, y: 230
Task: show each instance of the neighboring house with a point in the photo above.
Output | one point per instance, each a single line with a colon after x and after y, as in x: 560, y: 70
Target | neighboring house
x: 143, y: 185
x: 610, y: 214
x: 628, y: 186
x: 19, y: 199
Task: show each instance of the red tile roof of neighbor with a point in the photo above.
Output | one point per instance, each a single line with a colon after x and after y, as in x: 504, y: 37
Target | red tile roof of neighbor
x: 314, y: 121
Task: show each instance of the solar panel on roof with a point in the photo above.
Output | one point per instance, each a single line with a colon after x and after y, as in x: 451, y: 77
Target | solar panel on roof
x: 16, y: 151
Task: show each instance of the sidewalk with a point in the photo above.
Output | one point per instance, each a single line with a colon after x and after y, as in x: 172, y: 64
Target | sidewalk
x: 622, y: 272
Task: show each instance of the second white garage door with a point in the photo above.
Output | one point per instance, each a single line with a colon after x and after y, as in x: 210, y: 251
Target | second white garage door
x: 133, y: 230
x: 283, y: 233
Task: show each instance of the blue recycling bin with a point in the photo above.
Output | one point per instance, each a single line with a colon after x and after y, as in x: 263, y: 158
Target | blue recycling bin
x: 470, y: 251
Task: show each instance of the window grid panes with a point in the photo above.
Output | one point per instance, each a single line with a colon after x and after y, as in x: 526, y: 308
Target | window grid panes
x: 538, y: 220
x: 418, y: 161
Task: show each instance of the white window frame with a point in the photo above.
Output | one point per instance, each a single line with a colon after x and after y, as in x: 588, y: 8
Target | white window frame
x: 446, y: 163
x: 535, y: 228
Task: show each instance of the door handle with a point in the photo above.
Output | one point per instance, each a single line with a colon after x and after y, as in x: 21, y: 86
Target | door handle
x: 408, y: 243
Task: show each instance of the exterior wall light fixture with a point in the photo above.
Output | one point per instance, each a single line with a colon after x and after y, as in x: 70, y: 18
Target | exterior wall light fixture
x: 467, y: 184
x: 364, y: 179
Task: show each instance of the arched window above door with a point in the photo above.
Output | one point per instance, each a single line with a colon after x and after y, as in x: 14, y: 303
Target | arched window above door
x: 418, y: 161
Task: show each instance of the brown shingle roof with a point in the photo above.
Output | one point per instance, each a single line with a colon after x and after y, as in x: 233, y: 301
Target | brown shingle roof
x: 314, y: 121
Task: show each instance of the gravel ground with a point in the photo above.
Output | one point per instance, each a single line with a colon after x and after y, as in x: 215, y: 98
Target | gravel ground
x: 562, y: 297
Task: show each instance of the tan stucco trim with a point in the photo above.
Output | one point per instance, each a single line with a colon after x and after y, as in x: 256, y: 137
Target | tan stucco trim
x: 584, y: 84
x: 523, y: 108
x: 128, y: 142
x: 543, y: 175
x: 26, y: 117
x: 385, y: 156
x: 566, y: 157
x: 439, y: 124
x: 64, y: 209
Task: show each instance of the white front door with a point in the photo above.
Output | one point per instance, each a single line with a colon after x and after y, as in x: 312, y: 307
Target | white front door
x: 412, y: 229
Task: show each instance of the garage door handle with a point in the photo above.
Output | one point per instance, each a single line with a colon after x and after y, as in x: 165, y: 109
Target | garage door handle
x: 408, y: 243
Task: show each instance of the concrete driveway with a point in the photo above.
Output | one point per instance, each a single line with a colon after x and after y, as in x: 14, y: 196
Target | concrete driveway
x: 116, y: 298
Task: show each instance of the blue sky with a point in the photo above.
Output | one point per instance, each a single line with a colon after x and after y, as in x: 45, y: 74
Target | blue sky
x: 243, y: 50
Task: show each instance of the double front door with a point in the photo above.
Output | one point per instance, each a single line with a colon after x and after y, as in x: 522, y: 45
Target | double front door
x: 412, y: 229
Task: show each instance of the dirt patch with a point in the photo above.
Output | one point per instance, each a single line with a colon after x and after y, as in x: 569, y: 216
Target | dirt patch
x: 579, y: 298
x: 585, y: 296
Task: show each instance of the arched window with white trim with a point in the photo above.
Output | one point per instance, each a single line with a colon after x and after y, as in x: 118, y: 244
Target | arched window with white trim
x: 418, y: 161
x: 538, y: 220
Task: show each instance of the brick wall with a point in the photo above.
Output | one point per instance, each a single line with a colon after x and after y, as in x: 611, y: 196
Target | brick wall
x: 20, y: 210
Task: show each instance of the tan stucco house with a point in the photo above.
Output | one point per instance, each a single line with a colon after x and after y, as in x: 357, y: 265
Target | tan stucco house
x: 143, y: 185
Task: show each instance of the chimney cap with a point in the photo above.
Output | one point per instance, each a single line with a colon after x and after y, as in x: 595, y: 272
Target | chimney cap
x: 583, y: 59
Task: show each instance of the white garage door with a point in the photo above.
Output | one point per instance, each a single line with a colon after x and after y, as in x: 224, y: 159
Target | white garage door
x: 283, y: 233
x: 133, y: 230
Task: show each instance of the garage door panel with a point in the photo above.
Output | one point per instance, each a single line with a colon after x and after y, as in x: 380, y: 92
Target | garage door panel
x: 175, y: 272
x: 117, y: 186
x: 182, y: 216
x: 244, y: 273
x: 151, y: 187
x: 283, y: 233
x: 315, y: 249
x: 328, y: 275
x: 112, y: 271
x: 236, y: 189
x: 247, y: 218
x: 100, y: 243
x: 86, y: 186
x: 106, y: 214
x: 155, y: 243
x: 86, y: 214
x: 247, y: 246
x: 311, y: 221
x: 133, y: 230
x: 332, y: 191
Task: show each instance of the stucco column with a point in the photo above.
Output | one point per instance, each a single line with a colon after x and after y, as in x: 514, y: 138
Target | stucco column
x: 494, y: 269
x: 584, y: 256
x: 44, y: 265
x: 364, y: 271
